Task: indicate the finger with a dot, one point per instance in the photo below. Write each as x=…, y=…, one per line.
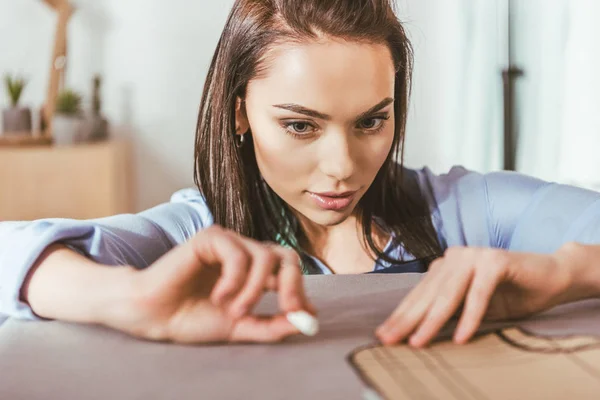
x=477, y=302
x=292, y=296
x=444, y=306
x=264, y=262
x=411, y=310
x=272, y=283
x=413, y=295
x=262, y=329
x=218, y=248
x=273, y=286
x=210, y=248
x=290, y=279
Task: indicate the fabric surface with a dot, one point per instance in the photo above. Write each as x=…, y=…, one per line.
x=41, y=360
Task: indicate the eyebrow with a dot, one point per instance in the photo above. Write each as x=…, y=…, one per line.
x=315, y=114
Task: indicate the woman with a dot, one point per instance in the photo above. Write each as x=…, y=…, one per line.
x=301, y=122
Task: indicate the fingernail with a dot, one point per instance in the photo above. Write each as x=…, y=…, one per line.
x=385, y=336
x=459, y=335
x=459, y=338
x=415, y=341
x=387, y=340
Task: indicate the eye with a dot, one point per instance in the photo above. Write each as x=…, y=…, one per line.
x=373, y=123
x=299, y=128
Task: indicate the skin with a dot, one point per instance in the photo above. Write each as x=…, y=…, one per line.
x=341, y=150
x=202, y=291
x=205, y=290
x=336, y=155
x=478, y=283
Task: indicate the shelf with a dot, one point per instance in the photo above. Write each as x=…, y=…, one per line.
x=81, y=181
x=24, y=139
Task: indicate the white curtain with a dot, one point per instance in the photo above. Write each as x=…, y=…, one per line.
x=541, y=31
x=456, y=115
x=559, y=98
x=580, y=131
x=456, y=111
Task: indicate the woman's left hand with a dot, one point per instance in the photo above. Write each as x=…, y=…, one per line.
x=484, y=283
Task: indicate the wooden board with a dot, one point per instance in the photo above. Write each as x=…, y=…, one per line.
x=64, y=10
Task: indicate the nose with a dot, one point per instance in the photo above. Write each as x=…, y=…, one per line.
x=338, y=156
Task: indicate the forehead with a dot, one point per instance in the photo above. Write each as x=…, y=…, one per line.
x=335, y=77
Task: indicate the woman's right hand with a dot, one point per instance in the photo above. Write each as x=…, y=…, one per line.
x=205, y=290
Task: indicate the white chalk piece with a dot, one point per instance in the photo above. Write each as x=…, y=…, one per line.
x=304, y=322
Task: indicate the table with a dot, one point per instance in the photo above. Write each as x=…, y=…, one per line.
x=42, y=360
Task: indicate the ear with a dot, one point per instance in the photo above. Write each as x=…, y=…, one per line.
x=241, y=118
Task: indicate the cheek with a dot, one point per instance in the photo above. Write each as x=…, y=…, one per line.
x=283, y=165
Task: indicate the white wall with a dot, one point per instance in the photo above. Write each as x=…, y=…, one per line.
x=154, y=55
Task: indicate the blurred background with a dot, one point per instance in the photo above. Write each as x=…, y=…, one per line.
x=152, y=57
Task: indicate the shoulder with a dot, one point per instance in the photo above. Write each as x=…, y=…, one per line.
x=472, y=208
x=462, y=183
x=192, y=198
x=436, y=189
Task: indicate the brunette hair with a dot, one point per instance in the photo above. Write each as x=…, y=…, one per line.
x=228, y=176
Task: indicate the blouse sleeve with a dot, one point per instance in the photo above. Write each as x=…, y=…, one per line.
x=509, y=210
x=137, y=240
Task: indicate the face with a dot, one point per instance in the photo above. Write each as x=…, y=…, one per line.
x=322, y=121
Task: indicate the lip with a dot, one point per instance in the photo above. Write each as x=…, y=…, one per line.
x=333, y=201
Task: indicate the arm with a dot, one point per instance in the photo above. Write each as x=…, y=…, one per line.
x=583, y=262
x=65, y=285
x=495, y=284
x=200, y=287
x=133, y=240
x=517, y=246
x=182, y=297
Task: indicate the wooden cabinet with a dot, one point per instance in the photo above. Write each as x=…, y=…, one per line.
x=81, y=182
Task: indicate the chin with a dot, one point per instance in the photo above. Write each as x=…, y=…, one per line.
x=329, y=218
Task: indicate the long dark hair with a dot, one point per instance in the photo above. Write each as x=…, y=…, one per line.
x=228, y=176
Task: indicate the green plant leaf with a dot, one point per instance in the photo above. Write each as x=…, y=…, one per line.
x=14, y=88
x=68, y=102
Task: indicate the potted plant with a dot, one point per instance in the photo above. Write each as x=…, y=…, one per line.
x=15, y=119
x=67, y=124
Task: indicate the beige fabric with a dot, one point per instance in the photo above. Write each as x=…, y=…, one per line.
x=42, y=360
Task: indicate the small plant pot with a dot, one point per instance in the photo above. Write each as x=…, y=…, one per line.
x=67, y=130
x=95, y=128
x=16, y=120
